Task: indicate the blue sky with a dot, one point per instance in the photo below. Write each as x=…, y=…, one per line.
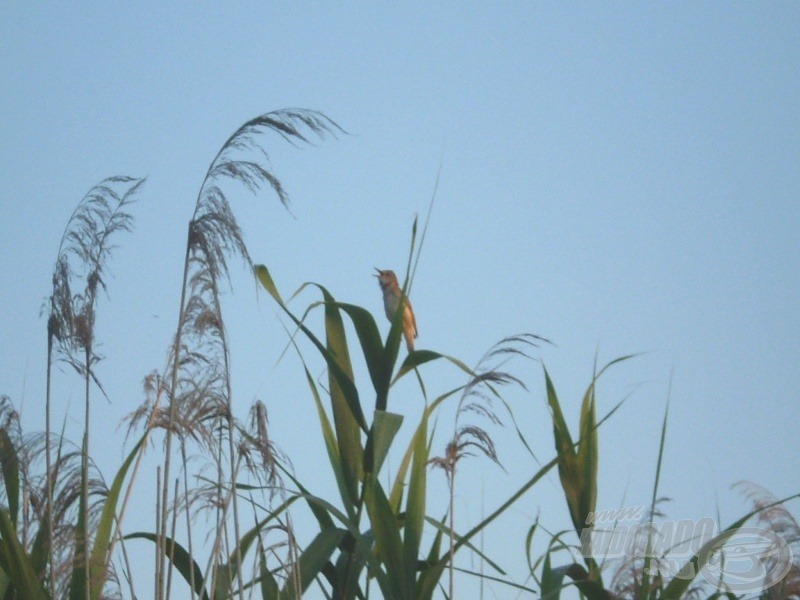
x=618, y=178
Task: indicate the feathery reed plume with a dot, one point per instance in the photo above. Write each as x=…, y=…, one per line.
x=478, y=398
x=628, y=580
x=39, y=521
x=779, y=520
x=262, y=457
x=85, y=248
x=264, y=461
x=197, y=378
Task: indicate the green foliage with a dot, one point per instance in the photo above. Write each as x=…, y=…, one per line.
x=578, y=465
x=577, y=469
x=10, y=465
x=17, y=564
x=391, y=544
x=180, y=558
x=372, y=534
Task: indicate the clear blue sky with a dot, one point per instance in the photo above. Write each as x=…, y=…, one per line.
x=618, y=178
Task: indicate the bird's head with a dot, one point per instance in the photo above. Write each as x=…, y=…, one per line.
x=386, y=278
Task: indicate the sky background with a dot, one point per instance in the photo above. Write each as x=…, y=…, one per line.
x=617, y=178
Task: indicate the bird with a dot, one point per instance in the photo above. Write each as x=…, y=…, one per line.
x=391, y=300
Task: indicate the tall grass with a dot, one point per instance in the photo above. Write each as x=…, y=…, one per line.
x=85, y=248
x=62, y=524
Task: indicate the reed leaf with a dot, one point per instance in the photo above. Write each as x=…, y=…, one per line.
x=346, y=406
x=332, y=448
x=180, y=559
x=10, y=466
x=415, y=504
x=693, y=567
x=385, y=426
x=101, y=557
x=267, y=583
x=389, y=545
x=342, y=379
x=313, y=560
x=16, y=563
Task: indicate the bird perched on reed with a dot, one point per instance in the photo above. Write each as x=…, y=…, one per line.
x=391, y=300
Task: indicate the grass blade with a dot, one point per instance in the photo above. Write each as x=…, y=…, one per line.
x=332, y=449
x=415, y=503
x=180, y=559
x=98, y=569
x=10, y=465
x=387, y=538
x=269, y=587
x=313, y=559
x=345, y=382
x=16, y=563
x=385, y=426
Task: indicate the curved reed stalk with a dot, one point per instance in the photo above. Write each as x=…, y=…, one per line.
x=200, y=338
x=468, y=440
x=85, y=248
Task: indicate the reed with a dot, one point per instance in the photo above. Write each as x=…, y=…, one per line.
x=228, y=499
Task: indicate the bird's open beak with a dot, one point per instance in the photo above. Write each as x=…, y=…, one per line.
x=379, y=272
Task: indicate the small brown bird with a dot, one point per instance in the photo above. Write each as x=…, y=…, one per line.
x=391, y=300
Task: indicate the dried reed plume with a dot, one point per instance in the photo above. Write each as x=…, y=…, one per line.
x=777, y=518
x=478, y=399
x=196, y=381
x=83, y=253
x=37, y=521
